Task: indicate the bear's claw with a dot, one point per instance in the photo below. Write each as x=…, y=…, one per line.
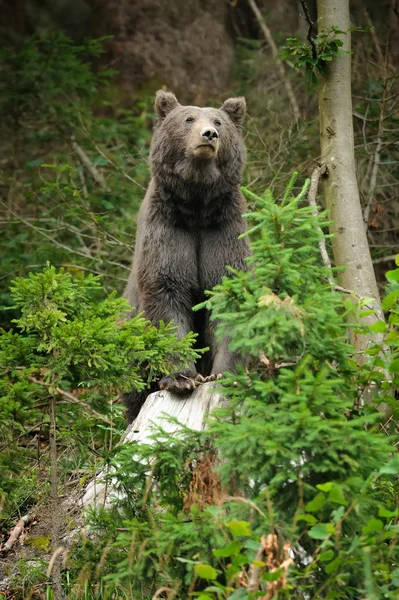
x=212, y=377
x=186, y=382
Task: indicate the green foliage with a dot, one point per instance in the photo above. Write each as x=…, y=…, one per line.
x=384, y=357
x=31, y=576
x=313, y=56
x=38, y=75
x=68, y=345
x=293, y=478
x=73, y=164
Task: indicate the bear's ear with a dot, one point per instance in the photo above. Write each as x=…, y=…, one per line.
x=235, y=108
x=165, y=102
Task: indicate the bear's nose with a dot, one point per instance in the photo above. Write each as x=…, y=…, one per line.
x=209, y=134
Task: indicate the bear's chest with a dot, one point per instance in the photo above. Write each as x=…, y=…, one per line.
x=196, y=215
x=194, y=220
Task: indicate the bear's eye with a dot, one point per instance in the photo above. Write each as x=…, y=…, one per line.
x=190, y=119
x=217, y=123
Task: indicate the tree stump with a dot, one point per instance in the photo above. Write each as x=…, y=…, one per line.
x=191, y=411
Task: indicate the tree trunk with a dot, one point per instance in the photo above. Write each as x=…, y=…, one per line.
x=350, y=246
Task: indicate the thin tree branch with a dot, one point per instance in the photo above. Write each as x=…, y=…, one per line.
x=374, y=37
x=314, y=182
x=377, y=153
x=83, y=181
x=245, y=501
x=85, y=160
x=269, y=38
x=48, y=237
x=72, y=398
x=60, y=245
x=383, y=259
x=310, y=30
x=53, y=561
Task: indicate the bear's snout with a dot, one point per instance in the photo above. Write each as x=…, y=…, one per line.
x=204, y=140
x=209, y=134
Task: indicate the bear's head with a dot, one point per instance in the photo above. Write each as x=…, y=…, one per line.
x=201, y=146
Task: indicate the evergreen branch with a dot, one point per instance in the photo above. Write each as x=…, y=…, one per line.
x=289, y=187
x=72, y=398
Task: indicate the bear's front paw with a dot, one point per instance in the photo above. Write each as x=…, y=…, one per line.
x=178, y=383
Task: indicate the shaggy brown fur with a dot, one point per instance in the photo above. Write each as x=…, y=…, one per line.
x=188, y=226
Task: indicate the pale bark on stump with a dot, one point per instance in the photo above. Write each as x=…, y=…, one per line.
x=191, y=411
x=350, y=245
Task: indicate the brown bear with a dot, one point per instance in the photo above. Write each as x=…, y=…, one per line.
x=188, y=228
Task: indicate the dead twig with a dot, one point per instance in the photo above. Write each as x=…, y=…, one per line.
x=269, y=38
x=56, y=555
x=63, y=246
x=73, y=399
x=83, y=181
x=245, y=501
x=16, y=532
x=86, y=162
x=48, y=237
x=377, y=153
x=374, y=37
